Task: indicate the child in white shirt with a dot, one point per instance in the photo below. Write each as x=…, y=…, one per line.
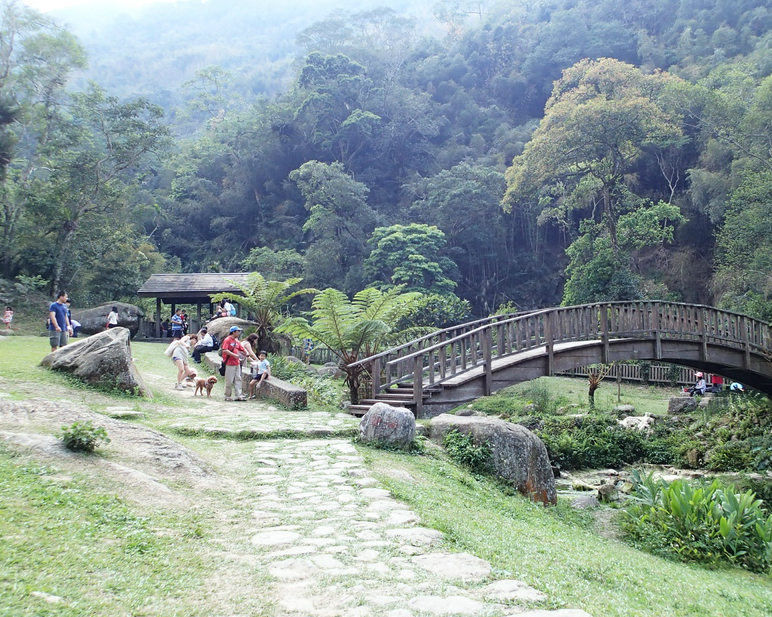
x=260, y=370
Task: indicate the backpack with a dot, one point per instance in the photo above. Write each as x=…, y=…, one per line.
x=233, y=311
x=215, y=343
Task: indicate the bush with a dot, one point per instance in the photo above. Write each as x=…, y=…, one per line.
x=322, y=389
x=578, y=443
x=731, y=456
x=83, y=436
x=462, y=449
x=707, y=524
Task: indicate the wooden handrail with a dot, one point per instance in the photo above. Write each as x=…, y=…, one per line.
x=437, y=333
x=481, y=341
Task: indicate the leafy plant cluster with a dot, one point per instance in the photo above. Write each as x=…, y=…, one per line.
x=534, y=400
x=463, y=449
x=707, y=524
x=590, y=442
x=735, y=436
x=322, y=390
x=83, y=436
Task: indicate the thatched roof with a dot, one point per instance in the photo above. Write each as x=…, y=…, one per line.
x=191, y=288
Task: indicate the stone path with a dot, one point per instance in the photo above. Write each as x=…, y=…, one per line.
x=336, y=545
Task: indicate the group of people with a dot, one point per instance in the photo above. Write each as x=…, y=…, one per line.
x=701, y=387
x=178, y=325
x=237, y=356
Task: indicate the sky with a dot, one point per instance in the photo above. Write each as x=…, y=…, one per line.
x=50, y=5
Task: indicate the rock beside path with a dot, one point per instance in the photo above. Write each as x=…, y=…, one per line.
x=517, y=455
x=394, y=426
x=102, y=360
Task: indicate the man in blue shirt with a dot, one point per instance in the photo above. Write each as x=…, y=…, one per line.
x=177, y=324
x=59, y=327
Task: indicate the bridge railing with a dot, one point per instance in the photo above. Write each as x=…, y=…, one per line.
x=442, y=355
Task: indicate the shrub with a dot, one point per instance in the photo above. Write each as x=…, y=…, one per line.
x=462, y=449
x=731, y=456
x=322, y=389
x=577, y=443
x=707, y=523
x=83, y=436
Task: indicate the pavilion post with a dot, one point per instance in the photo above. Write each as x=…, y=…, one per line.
x=158, y=317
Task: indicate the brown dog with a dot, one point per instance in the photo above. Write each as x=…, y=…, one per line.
x=207, y=384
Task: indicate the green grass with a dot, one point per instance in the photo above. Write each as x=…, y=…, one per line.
x=65, y=536
x=20, y=358
x=554, y=550
x=570, y=394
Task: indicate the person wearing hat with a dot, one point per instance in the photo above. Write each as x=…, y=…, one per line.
x=233, y=353
x=700, y=386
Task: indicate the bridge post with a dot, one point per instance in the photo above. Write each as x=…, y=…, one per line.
x=418, y=385
x=375, y=377
x=604, y=332
x=657, y=333
x=442, y=357
x=701, y=328
x=488, y=359
x=746, y=342
x=549, y=339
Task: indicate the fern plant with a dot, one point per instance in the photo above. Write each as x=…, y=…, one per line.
x=264, y=299
x=352, y=329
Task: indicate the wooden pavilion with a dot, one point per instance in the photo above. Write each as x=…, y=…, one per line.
x=193, y=288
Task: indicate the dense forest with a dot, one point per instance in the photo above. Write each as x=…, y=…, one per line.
x=524, y=153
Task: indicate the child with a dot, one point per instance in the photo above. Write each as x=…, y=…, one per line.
x=260, y=371
x=8, y=317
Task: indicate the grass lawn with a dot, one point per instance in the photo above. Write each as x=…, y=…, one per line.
x=571, y=394
x=556, y=550
x=64, y=537
x=69, y=535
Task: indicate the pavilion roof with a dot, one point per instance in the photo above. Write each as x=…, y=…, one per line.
x=191, y=288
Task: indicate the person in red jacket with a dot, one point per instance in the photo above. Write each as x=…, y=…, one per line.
x=233, y=353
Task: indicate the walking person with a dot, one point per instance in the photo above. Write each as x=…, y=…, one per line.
x=59, y=327
x=180, y=357
x=8, y=317
x=233, y=353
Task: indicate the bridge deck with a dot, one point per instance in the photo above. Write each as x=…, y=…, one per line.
x=501, y=363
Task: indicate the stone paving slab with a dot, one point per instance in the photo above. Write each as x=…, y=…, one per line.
x=337, y=545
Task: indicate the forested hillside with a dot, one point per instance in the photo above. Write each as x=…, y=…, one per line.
x=529, y=152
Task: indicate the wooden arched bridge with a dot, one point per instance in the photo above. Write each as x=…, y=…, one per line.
x=449, y=367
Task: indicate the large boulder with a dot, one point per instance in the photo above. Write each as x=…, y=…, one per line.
x=222, y=325
x=102, y=360
x=681, y=404
x=384, y=424
x=517, y=455
x=94, y=320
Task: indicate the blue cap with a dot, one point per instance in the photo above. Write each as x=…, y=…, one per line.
x=234, y=329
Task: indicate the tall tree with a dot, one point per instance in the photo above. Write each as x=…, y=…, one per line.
x=411, y=257
x=339, y=224
x=603, y=119
x=93, y=160
x=37, y=58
